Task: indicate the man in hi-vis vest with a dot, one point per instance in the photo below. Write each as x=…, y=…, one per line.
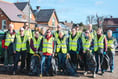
x=22, y=45
x=61, y=50
x=34, y=47
x=10, y=46
x=100, y=48
x=74, y=47
x=111, y=44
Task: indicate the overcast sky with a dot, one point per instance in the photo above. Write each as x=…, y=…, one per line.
x=77, y=10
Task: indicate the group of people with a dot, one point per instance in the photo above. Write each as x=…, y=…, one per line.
x=79, y=47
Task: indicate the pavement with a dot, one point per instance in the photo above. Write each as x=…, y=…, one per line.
x=107, y=74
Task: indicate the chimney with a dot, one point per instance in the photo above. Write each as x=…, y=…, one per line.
x=65, y=21
x=38, y=8
x=111, y=17
x=71, y=22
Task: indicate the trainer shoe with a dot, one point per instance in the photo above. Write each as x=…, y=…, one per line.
x=94, y=75
x=85, y=73
x=14, y=73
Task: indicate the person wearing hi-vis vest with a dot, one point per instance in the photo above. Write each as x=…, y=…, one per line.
x=47, y=47
x=111, y=44
x=100, y=48
x=34, y=47
x=10, y=46
x=79, y=32
x=56, y=34
x=61, y=50
x=27, y=31
x=92, y=32
x=74, y=47
x=22, y=47
x=87, y=44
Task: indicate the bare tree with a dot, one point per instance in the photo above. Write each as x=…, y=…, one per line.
x=90, y=19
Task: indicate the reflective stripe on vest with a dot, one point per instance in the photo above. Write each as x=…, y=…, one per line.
x=86, y=43
x=61, y=45
x=9, y=39
x=110, y=43
x=21, y=45
x=47, y=45
x=73, y=43
x=36, y=44
x=99, y=43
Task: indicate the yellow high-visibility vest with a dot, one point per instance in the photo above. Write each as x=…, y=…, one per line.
x=93, y=34
x=9, y=39
x=99, y=43
x=28, y=33
x=79, y=34
x=56, y=35
x=48, y=45
x=61, y=45
x=73, y=43
x=86, y=43
x=21, y=45
x=36, y=44
x=110, y=43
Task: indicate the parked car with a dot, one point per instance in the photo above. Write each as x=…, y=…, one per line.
x=1, y=49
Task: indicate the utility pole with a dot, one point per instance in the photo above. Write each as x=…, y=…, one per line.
x=29, y=13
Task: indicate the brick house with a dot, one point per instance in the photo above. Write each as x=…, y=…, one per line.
x=46, y=17
x=9, y=13
x=24, y=7
x=110, y=23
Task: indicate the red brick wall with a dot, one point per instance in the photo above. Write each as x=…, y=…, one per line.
x=17, y=25
x=3, y=17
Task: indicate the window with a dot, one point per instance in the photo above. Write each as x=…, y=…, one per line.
x=19, y=15
x=3, y=24
x=53, y=21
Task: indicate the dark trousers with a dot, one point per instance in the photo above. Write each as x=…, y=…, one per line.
x=99, y=60
x=17, y=58
x=61, y=61
x=111, y=59
x=28, y=60
x=73, y=56
x=85, y=62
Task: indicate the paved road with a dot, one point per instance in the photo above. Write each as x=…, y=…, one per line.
x=107, y=75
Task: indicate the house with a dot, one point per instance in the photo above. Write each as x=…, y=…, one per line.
x=68, y=24
x=26, y=8
x=9, y=13
x=110, y=23
x=46, y=17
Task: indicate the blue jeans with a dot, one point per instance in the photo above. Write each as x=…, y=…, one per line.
x=45, y=59
x=61, y=61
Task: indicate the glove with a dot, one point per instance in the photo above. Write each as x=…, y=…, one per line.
x=67, y=56
x=77, y=52
x=104, y=53
x=53, y=55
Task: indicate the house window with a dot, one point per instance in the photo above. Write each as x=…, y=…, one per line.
x=3, y=24
x=19, y=15
x=53, y=21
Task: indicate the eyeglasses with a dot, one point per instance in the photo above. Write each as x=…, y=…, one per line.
x=86, y=32
x=21, y=30
x=48, y=32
